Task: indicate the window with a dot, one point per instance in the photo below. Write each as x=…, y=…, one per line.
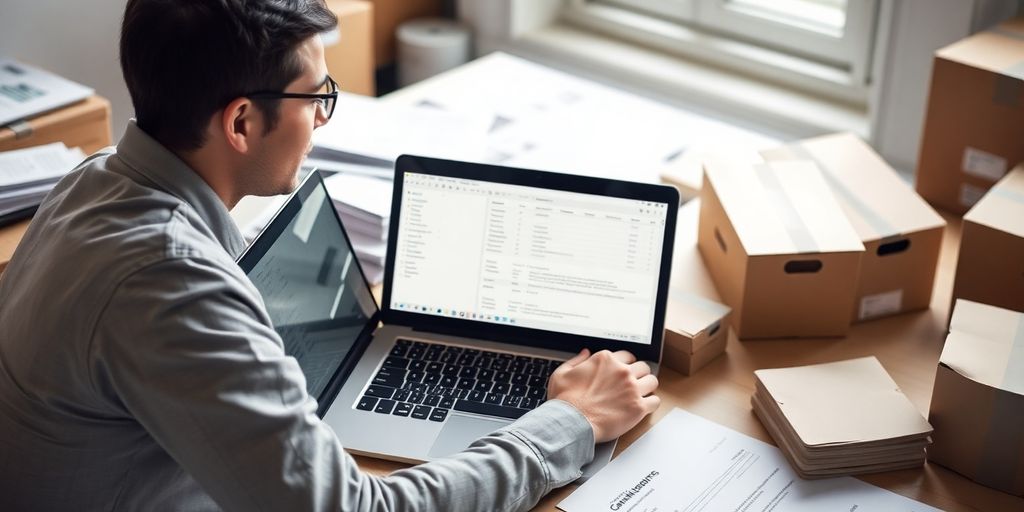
x=826, y=41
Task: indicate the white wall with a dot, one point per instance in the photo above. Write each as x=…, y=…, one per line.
x=77, y=39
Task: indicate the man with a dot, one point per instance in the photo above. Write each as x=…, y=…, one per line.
x=138, y=367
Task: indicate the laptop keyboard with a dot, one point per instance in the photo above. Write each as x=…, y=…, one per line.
x=424, y=381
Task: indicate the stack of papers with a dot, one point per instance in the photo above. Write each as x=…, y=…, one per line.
x=368, y=136
x=841, y=418
x=364, y=205
x=27, y=175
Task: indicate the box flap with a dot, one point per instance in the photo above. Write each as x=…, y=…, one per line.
x=986, y=344
x=1002, y=207
x=999, y=50
x=781, y=208
x=692, y=314
x=876, y=201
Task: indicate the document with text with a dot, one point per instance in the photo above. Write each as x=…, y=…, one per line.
x=686, y=463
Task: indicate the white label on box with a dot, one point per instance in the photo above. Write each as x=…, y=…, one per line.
x=970, y=195
x=983, y=164
x=880, y=304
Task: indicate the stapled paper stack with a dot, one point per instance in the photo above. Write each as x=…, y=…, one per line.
x=841, y=418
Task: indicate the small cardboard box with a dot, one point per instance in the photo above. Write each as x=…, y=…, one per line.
x=348, y=49
x=978, y=402
x=990, y=268
x=388, y=15
x=902, y=235
x=779, y=248
x=975, y=118
x=696, y=327
x=85, y=124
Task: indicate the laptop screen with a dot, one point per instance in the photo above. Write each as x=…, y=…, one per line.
x=538, y=258
x=314, y=291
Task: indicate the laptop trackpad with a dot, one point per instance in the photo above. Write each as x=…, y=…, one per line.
x=460, y=431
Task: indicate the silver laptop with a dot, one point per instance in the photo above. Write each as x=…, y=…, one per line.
x=494, y=276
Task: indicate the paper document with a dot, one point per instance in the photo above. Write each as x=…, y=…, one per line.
x=26, y=91
x=686, y=463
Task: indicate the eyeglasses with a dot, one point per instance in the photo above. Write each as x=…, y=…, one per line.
x=328, y=100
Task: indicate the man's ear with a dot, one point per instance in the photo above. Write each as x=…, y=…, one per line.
x=240, y=124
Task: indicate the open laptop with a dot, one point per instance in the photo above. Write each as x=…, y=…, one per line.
x=494, y=276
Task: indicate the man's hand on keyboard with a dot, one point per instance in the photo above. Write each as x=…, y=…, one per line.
x=613, y=390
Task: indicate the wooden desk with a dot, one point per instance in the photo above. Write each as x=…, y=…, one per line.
x=907, y=345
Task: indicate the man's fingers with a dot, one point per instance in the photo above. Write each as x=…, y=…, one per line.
x=577, y=359
x=647, y=384
x=640, y=369
x=650, y=403
x=624, y=356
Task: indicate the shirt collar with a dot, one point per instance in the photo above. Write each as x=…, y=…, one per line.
x=164, y=169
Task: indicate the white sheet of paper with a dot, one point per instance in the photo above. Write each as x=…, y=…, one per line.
x=686, y=463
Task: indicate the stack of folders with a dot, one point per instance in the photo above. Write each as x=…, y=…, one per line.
x=27, y=175
x=842, y=418
x=364, y=205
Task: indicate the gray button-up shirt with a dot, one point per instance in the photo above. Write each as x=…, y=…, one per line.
x=139, y=371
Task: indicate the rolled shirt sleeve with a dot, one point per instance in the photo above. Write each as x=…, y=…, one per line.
x=186, y=349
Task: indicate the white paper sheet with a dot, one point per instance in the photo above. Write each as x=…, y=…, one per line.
x=686, y=463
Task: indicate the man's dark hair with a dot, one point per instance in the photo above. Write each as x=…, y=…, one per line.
x=183, y=60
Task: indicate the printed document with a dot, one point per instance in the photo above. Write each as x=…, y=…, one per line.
x=686, y=463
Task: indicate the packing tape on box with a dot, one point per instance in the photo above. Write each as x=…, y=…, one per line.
x=1008, y=194
x=794, y=225
x=697, y=301
x=1001, y=452
x=876, y=221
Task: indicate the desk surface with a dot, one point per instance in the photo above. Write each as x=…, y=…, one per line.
x=907, y=345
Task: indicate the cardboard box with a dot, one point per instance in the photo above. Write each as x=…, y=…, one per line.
x=348, y=50
x=990, y=268
x=696, y=327
x=978, y=402
x=779, y=248
x=975, y=119
x=85, y=124
x=388, y=15
x=901, y=234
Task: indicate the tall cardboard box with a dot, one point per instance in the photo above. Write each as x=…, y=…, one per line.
x=779, y=248
x=901, y=234
x=85, y=124
x=978, y=402
x=388, y=15
x=348, y=50
x=974, y=127
x=696, y=326
x=990, y=268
